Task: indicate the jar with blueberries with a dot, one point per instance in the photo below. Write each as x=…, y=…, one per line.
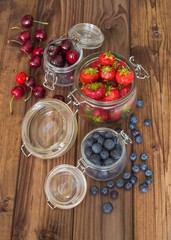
x=103, y=157
x=62, y=56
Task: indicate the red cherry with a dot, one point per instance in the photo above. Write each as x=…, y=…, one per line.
x=72, y=56
x=24, y=35
x=38, y=51
x=59, y=97
x=39, y=91
x=30, y=83
x=27, y=21
x=40, y=35
x=26, y=47
x=66, y=45
x=35, y=62
x=16, y=92
x=21, y=78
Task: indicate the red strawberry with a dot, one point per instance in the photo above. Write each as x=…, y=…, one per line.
x=95, y=64
x=124, y=76
x=95, y=90
x=124, y=90
x=114, y=115
x=89, y=75
x=99, y=115
x=118, y=64
x=107, y=73
x=111, y=94
x=106, y=58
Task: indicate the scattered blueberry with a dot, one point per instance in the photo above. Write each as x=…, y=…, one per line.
x=140, y=103
x=147, y=122
x=107, y=207
x=128, y=185
x=148, y=173
x=110, y=184
x=133, y=119
x=104, y=154
x=108, y=162
x=95, y=159
x=131, y=126
x=136, y=132
x=109, y=144
x=94, y=190
x=133, y=156
x=126, y=176
x=96, y=147
x=143, y=167
x=143, y=156
x=143, y=187
x=135, y=168
x=120, y=183
x=149, y=180
x=88, y=152
x=104, y=191
x=139, y=139
x=114, y=194
x=133, y=179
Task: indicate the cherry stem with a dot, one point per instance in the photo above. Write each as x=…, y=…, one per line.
x=31, y=90
x=16, y=28
x=11, y=101
x=46, y=23
x=63, y=35
x=13, y=40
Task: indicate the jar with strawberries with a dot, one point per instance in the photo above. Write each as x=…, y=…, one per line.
x=62, y=55
x=105, y=87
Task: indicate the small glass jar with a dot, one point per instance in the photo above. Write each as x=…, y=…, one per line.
x=65, y=186
x=109, y=112
x=83, y=36
x=49, y=129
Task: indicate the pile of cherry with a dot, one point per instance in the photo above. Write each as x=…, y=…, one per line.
x=35, y=54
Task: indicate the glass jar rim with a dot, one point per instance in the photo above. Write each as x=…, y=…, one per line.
x=87, y=60
x=62, y=69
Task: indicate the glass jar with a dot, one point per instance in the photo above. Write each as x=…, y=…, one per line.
x=48, y=130
x=83, y=36
x=99, y=112
x=65, y=186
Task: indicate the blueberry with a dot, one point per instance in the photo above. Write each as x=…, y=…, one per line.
x=95, y=159
x=96, y=135
x=143, y=156
x=139, y=139
x=108, y=134
x=126, y=176
x=116, y=152
x=89, y=142
x=128, y=185
x=131, y=126
x=135, y=168
x=104, y=175
x=104, y=191
x=104, y=154
x=148, y=173
x=133, y=119
x=143, y=187
x=110, y=184
x=109, y=144
x=108, y=162
x=120, y=183
x=136, y=132
x=149, y=180
x=140, y=103
x=96, y=147
x=94, y=190
x=143, y=167
x=107, y=207
x=114, y=194
x=147, y=122
x=100, y=140
x=133, y=156
x=133, y=179
x=88, y=152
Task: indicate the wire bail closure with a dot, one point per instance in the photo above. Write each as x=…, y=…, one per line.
x=49, y=74
x=73, y=101
x=141, y=73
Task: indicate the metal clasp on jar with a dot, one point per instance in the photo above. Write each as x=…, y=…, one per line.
x=50, y=80
x=141, y=73
x=23, y=149
x=125, y=137
x=80, y=166
x=73, y=101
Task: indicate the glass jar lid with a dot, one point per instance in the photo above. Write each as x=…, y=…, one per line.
x=65, y=187
x=49, y=129
x=87, y=35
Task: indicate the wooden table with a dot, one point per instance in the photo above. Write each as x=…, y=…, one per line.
x=138, y=28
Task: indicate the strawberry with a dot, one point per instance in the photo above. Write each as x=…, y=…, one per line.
x=118, y=64
x=99, y=115
x=106, y=58
x=124, y=76
x=95, y=64
x=107, y=73
x=124, y=90
x=111, y=94
x=114, y=115
x=95, y=90
x=89, y=75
